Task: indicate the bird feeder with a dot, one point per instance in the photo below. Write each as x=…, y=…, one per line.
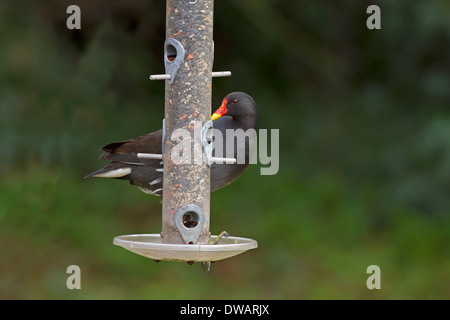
x=188, y=60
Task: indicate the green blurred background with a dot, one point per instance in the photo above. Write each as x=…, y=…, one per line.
x=364, y=150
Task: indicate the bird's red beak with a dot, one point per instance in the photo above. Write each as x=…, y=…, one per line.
x=221, y=111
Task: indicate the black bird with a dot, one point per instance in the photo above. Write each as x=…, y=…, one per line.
x=238, y=111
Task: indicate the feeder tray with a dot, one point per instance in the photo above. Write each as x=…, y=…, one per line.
x=151, y=246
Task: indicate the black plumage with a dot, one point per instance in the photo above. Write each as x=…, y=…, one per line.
x=238, y=111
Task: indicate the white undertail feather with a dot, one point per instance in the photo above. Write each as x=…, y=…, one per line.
x=118, y=173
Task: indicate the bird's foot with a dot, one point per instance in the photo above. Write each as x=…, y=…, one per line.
x=219, y=237
x=206, y=265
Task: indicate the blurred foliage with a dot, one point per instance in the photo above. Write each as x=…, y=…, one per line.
x=364, y=140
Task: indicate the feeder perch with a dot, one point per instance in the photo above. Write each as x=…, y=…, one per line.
x=188, y=60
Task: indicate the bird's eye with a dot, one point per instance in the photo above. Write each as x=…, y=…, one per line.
x=234, y=101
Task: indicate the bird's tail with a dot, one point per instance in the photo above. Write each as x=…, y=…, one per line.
x=115, y=170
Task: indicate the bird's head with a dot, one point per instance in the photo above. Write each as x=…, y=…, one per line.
x=238, y=105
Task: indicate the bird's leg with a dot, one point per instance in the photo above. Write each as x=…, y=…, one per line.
x=206, y=265
x=219, y=237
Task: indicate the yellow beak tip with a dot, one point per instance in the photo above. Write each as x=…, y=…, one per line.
x=215, y=116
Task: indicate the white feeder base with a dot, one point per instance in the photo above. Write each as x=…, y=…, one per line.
x=150, y=246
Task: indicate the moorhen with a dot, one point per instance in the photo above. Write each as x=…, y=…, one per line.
x=238, y=111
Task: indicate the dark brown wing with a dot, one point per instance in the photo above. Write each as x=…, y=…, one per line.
x=126, y=151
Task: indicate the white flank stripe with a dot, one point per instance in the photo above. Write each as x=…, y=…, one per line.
x=155, y=181
x=157, y=190
x=114, y=173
